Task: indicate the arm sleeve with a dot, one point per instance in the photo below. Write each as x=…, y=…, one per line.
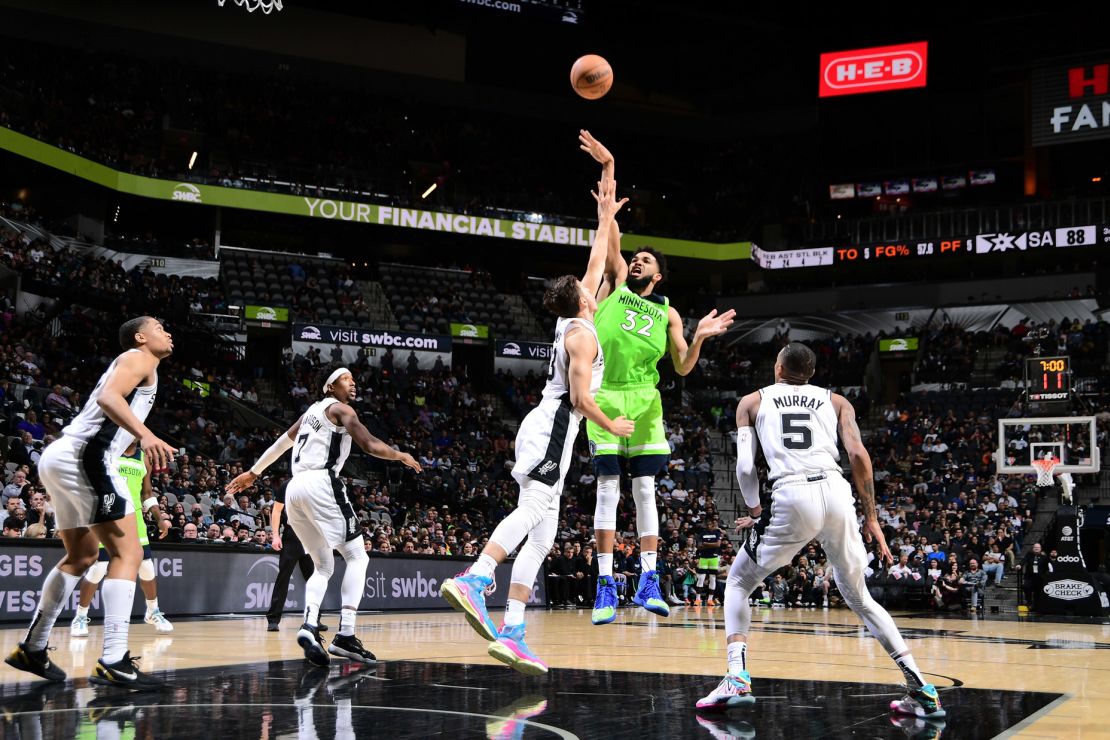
x=746, y=474
x=280, y=446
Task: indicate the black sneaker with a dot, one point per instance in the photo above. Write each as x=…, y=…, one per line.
x=321, y=627
x=36, y=662
x=125, y=674
x=273, y=627
x=313, y=645
x=349, y=646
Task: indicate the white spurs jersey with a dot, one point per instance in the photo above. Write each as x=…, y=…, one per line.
x=93, y=426
x=558, y=371
x=797, y=429
x=320, y=444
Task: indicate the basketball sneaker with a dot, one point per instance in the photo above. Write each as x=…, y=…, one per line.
x=509, y=724
x=350, y=647
x=605, y=604
x=125, y=674
x=511, y=649
x=466, y=593
x=36, y=662
x=313, y=645
x=720, y=729
x=923, y=702
x=734, y=690
x=918, y=728
x=158, y=619
x=79, y=627
x=649, y=596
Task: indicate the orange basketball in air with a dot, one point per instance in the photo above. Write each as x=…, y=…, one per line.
x=591, y=76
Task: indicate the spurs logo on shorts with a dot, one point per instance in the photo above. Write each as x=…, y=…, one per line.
x=547, y=467
x=108, y=503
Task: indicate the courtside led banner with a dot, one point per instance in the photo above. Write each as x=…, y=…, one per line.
x=877, y=69
x=196, y=195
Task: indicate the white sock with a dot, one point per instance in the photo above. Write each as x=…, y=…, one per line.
x=647, y=560
x=910, y=671
x=152, y=605
x=82, y=611
x=737, y=657
x=346, y=622
x=484, y=566
x=514, y=612
x=118, y=596
x=55, y=593
x=605, y=564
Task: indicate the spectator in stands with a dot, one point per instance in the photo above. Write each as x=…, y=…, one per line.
x=1034, y=569
x=15, y=524
x=10, y=506
x=39, y=511
x=57, y=402
x=189, y=533
x=946, y=591
x=35, y=531
x=30, y=423
x=993, y=564
x=974, y=583
x=25, y=450
x=15, y=487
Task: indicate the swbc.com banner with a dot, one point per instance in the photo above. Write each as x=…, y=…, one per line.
x=539, y=351
x=326, y=334
x=211, y=579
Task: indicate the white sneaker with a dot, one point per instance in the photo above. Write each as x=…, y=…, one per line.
x=733, y=690
x=79, y=627
x=158, y=619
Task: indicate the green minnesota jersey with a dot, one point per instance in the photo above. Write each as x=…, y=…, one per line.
x=633, y=336
x=133, y=470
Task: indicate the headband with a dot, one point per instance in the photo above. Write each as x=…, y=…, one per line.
x=334, y=377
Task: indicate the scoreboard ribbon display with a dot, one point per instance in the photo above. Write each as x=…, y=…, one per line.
x=1089, y=235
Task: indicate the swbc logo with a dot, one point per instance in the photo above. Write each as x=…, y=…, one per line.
x=310, y=332
x=511, y=349
x=186, y=193
x=258, y=593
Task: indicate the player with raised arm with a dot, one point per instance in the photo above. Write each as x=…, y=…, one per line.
x=544, y=444
x=135, y=468
x=317, y=507
x=796, y=425
x=636, y=327
x=92, y=505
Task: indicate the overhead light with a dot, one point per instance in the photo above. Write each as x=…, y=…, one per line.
x=1096, y=179
x=192, y=160
x=429, y=190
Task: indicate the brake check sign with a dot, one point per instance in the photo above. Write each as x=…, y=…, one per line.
x=877, y=69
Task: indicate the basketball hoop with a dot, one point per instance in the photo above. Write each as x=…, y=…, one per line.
x=1045, y=468
x=266, y=6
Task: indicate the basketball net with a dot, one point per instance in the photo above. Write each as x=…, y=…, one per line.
x=1045, y=469
x=266, y=6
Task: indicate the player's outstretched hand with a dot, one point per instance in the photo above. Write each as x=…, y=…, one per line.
x=873, y=531
x=241, y=482
x=158, y=451
x=606, y=197
x=744, y=522
x=622, y=427
x=593, y=147
x=276, y=543
x=712, y=325
x=408, y=460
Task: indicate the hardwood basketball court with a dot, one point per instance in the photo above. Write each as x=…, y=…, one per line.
x=816, y=673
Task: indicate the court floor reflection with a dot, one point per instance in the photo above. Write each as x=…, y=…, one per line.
x=408, y=699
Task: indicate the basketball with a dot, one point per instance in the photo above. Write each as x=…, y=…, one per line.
x=591, y=76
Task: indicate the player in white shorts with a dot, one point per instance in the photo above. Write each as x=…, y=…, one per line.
x=796, y=426
x=318, y=509
x=544, y=444
x=93, y=505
